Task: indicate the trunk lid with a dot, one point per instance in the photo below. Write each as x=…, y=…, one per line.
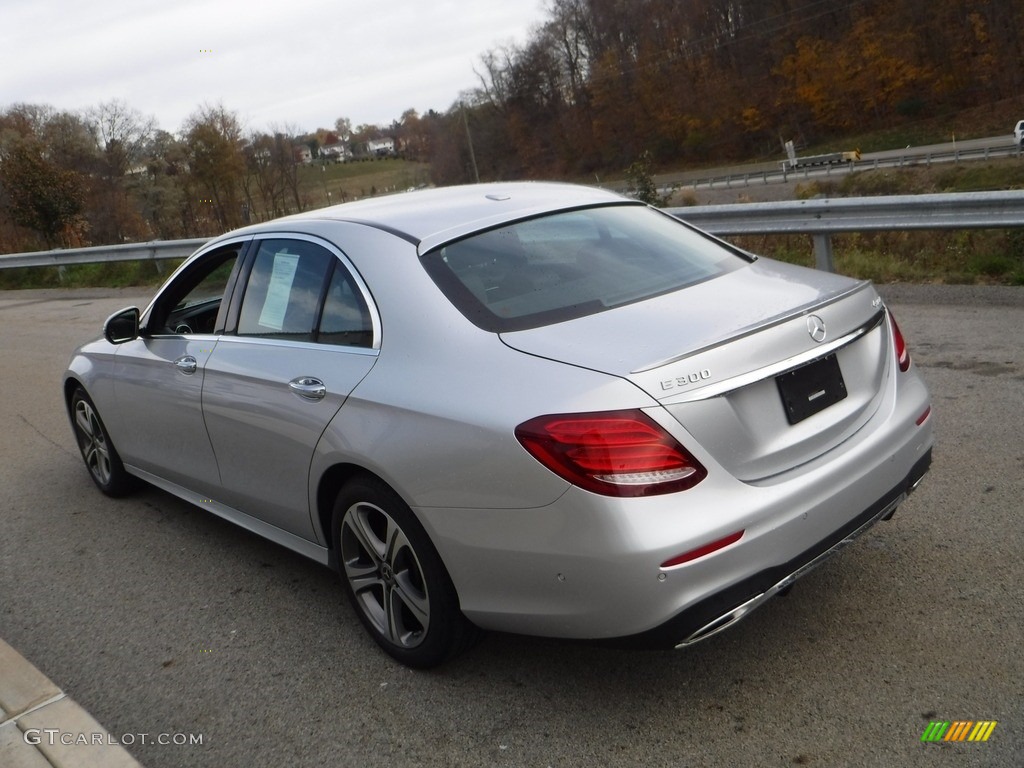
x=712, y=355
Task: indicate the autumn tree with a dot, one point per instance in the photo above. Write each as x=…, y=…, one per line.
x=69, y=143
x=604, y=80
x=413, y=135
x=450, y=156
x=213, y=138
x=160, y=191
x=40, y=195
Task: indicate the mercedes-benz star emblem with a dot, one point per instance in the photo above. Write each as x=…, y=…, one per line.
x=816, y=327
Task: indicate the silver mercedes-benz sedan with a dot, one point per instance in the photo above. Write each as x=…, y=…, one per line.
x=533, y=408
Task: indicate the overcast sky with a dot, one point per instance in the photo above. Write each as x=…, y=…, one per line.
x=299, y=62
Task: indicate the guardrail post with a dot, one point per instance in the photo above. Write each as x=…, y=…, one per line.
x=823, y=252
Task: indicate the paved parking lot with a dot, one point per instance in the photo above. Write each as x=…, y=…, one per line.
x=163, y=620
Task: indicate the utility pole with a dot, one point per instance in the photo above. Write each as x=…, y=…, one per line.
x=469, y=139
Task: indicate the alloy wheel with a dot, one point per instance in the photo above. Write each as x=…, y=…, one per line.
x=92, y=441
x=385, y=574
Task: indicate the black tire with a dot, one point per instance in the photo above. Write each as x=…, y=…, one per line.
x=394, y=577
x=97, y=449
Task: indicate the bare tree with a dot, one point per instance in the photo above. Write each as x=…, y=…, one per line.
x=285, y=162
x=121, y=133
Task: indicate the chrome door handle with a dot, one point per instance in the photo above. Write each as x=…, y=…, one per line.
x=186, y=364
x=308, y=388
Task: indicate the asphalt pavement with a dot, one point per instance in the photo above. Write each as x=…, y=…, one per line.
x=193, y=643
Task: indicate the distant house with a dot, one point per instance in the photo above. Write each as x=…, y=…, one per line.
x=337, y=153
x=302, y=154
x=380, y=147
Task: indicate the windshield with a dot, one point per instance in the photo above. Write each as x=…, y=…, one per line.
x=571, y=264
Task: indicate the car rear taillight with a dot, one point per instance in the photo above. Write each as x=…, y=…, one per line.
x=614, y=453
x=902, y=353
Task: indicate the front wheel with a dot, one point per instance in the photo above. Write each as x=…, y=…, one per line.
x=394, y=577
x=97, y=450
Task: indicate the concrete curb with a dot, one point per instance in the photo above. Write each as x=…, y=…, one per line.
x=41, y=727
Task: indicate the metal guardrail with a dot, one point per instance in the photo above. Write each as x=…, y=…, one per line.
x=783, y=174
x=62, y=257
x=960, y=210
x=820, y=218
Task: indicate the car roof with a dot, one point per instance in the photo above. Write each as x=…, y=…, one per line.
x=429, y=218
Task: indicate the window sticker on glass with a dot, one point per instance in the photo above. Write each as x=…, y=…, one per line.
x=281, y=278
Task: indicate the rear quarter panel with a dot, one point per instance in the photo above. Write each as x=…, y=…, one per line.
x=435, y=418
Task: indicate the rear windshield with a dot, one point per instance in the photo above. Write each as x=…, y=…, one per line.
x=572, y=264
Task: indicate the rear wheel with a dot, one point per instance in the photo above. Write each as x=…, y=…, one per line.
x=98, y=452
x=394, y=577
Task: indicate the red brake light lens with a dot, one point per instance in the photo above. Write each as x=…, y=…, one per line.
x=614, y=453
x=902, y=353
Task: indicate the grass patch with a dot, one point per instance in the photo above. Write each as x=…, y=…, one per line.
x=960, y=257
x=971, y=176
x=814, y=189
x=342, y=182
x=981, y=177
x=120, y=274
x=889, y=181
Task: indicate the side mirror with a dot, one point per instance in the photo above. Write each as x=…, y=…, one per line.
x=122, y=326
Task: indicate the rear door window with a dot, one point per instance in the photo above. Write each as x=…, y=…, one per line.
x=284, y=291
x=301, y=291
x=346, y=317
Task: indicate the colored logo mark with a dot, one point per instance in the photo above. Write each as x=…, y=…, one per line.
x=959, y=730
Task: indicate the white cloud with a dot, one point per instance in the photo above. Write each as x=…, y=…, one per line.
x=303, y=63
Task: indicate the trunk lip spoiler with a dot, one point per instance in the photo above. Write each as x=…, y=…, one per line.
x=761, y=326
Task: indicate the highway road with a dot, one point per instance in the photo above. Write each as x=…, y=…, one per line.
x=771, y=172
x=161, y=619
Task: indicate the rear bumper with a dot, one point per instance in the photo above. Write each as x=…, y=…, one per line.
x=592, y=568
x=723, y=609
